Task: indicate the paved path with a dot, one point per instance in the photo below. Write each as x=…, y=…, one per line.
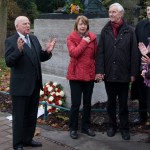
x=60, y=140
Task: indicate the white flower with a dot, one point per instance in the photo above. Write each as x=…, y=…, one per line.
x=47, y=85
x=56, y=89
x=41, y=92
x=50, y=89
x=45, y=97
x=57, y=94
x=51, y=98
x=62, y=93
x=55, y=83
x=60, y=102
x=52, y=93
x=49, y=107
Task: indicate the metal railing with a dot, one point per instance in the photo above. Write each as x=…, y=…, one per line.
x=45, y=104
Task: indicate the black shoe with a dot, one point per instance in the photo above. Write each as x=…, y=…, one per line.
x=111, y=132
x=73, y=134
x=139, y=120
x=33, y=144
x=89, y=132
x=125, y=134
x=19, y=148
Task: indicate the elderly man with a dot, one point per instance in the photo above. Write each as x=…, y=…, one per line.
x=116, y=64
x=23, y=55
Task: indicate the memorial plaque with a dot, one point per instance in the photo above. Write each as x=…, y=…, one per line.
x=55, y=69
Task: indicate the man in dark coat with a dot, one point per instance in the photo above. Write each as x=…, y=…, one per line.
x=23, y=55
x=117, y=64
x=142, y=32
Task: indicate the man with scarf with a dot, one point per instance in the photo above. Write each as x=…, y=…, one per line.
x=116, y=64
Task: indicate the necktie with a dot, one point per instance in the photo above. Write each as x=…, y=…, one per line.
x=28, y=41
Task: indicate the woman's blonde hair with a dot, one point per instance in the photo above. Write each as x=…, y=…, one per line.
x=84, y=20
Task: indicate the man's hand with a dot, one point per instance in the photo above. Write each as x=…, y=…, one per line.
x=99, y=77
x=50, y=45
x=20, y=43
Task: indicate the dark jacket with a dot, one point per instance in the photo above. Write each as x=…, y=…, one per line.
x=82, y=57
x=24, y=71
x=117, y=58
x=142, y=32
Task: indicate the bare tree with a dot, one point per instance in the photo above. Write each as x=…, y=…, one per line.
x=3, y=24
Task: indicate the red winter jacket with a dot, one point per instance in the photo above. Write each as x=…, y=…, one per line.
x=82, y=57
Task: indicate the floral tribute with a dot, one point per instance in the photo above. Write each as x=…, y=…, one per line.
x=53, y=94
x=73, y=7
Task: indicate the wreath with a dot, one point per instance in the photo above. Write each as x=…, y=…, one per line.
x=52, y=94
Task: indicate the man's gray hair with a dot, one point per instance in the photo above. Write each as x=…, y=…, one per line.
x=119, y=7
x=18, y=19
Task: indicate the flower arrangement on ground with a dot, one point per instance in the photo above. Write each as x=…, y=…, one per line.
x=53, y=94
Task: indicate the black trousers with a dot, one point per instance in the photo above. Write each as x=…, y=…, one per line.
x=117, y=90
x=24, y=117
x=142, y=90
x=77, y=89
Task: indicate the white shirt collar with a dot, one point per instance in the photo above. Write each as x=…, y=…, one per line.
x=22, y=36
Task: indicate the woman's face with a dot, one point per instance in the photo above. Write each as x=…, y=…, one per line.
x=81, y=27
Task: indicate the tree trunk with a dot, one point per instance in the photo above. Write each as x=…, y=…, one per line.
x=3, y=25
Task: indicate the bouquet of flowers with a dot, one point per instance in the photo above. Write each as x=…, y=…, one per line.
x=73, y=7
x=53, y=94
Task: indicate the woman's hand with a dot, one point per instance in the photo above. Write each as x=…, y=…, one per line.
x=143, y=73
x=87, y=39
x=145, y=59
x=142, y=48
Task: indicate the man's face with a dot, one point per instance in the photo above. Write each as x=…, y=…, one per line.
x=23, y=26
x=114, y=14
x=148, y=12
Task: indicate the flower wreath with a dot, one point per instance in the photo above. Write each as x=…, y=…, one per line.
x=53, y=94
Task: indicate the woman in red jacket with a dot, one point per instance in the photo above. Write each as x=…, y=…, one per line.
x=82, y=46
